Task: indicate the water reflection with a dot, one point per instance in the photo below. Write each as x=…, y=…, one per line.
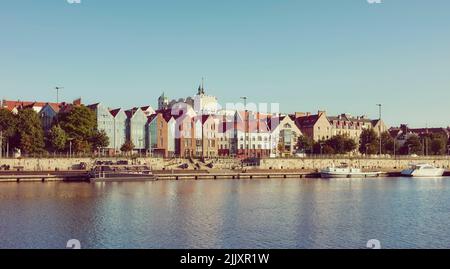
x=275, y=213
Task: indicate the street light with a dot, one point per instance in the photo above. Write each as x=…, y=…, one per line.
x=367, y=148
x=245, y=124
x=70, y=147
x=379, y=127
x=57, y=93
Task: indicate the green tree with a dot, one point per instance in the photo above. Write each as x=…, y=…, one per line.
x=82, y=146
x=387, y=143
x=99, y=139
x=57, y=138
x=341, y=144
x=127, y=147
x=438, y=144
x=29, y=137
x=304, y=143
x=412, y=146
x=369, y=142
x=80, y=124
x=8, y=127
x=7, y=123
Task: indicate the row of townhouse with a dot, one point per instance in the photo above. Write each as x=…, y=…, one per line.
x=321, y=127
x=179, y=131
x=403, y=133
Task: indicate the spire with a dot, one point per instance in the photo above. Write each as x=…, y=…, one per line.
x=203, y=85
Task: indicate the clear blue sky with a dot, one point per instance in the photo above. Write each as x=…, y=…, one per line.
x=337, y=55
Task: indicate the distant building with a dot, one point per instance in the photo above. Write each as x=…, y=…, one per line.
x=284, y=135
x=163, y=102
x=148, y=110
x=136, y=128
x=226, y=138
x=201, y=103
x=48, y=115
x=317, y=127
x=50, y=111
x=185, y=145
x=252, y=135
x=350, y=126
x=157, y=135
x=105, y=122
x=120, y=128
x=403, y=133
x=205, y=104
x=206, y=132
x=321, y=127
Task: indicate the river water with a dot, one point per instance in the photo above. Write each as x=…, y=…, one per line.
x=273, y=213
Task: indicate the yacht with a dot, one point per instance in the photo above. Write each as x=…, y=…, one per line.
x=345, y=171
x=423, y=170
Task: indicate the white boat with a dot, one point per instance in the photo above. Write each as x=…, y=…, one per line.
x=344, y=171
x=423, y=170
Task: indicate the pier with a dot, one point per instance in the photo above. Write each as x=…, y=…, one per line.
x=82, y=176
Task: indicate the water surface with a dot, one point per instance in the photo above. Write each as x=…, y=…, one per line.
x=273, y=213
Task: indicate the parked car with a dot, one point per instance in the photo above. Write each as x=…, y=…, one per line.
x=183, y=166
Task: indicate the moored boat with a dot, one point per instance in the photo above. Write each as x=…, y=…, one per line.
x=423, y=170
x=121, y=173
x=345, y=171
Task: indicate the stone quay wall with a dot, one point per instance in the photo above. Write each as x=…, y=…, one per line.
x=363, y=163
x=51, y=164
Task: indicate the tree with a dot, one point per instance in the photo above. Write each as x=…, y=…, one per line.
x=341, y=144
x=304, y=143
x=29, y=137
x=438, y=144
x=82, y=146
x=99, y=139
x=127, y=147
x=80, y=124
x=388, y=144
x=369, y=142
x=8, y=126
x=57, y=138
x=412, y=146
x=7, y=123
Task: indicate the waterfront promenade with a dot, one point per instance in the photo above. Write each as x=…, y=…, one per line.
x=68, y=169
x=304, y=164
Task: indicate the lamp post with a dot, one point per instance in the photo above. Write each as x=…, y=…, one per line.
x=1, y=144
x=140, y=147
x=245, y=124
x=379, y=128
x=70, y=147
x=395, y=147
x=57, y=93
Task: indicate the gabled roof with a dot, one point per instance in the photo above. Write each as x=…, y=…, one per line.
x=349, y=118
x=273, y=122
x=151, y=117
x=93, y=106
x=11, y=105
x=55, y=107
x=115, y=112
x=307, y=121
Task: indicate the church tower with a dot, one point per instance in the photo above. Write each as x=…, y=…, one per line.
x=163, y=102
